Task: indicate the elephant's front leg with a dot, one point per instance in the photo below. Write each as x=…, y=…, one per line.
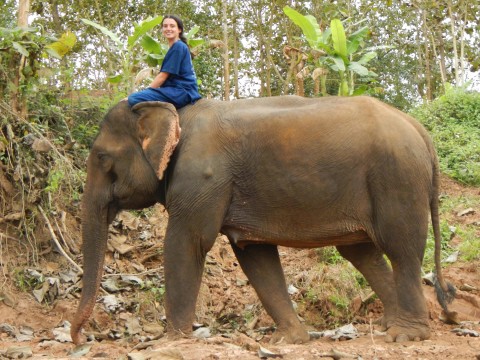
x=261, y=264
x=184, y=259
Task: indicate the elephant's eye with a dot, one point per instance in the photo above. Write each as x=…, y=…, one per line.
x=101, y=156
x=105, y=161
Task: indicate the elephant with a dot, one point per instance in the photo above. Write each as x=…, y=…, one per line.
x=349, y=172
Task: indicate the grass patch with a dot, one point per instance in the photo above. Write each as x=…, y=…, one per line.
x=452, y=120
x=467, y=241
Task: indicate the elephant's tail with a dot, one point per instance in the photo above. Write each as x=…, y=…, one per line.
x=444, y=290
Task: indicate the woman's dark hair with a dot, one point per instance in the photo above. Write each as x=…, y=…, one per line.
x=179, y=24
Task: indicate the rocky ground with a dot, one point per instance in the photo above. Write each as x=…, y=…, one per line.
x=36, y=302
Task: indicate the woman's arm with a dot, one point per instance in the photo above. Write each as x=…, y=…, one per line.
x=159, y=79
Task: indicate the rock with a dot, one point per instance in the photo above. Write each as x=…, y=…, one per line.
x=202, y=333
x=62, y=333
x=8, y=299
x=19, y=352
x=469, y=211
x=42, y=146
x=7, y=329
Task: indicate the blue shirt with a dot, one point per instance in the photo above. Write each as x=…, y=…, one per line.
x=178, y=63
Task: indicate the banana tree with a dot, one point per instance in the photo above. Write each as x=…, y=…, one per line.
x=126, y=51
x=333, y=49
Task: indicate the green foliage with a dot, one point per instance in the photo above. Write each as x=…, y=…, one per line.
x=453, y=121
x=340, y=302
x=326, y=292
x=22, y=52
x=330, y=255
x=63, y=46
x=85, y=133
x=127, y=52
x=335, y=50
x=158, y=292
x=54, y=181
x=469, y=248
x=25, y=281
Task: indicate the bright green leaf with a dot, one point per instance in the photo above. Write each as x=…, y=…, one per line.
x=142, y=29
x=339, y=39
x=367, y=57
x=115, y=79
x=63, y=46
x=192, y=33
x=153, y=60
x=354, y=40
x=339, y=65
x=358, y=68
x=360, y=90
x=105, y=31
x=326, y=35
x=352, y=46
x=308, y=24
x=195, y=42
x=151, y=45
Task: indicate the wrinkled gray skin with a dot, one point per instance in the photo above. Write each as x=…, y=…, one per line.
x=347, y=172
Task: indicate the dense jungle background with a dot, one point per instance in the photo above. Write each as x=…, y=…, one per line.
x=63, y=64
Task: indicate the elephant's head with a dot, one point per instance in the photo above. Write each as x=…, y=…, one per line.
x=124, y=169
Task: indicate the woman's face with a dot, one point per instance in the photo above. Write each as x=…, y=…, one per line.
x=170, y=30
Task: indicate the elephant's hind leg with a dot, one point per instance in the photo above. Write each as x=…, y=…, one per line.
x=261, y=264
x=370, y=262
x=404, y=245
x=411, y=322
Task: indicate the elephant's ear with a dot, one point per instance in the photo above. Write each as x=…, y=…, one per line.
x=159, y=132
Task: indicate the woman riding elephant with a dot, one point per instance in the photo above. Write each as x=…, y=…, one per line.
x=176, y=83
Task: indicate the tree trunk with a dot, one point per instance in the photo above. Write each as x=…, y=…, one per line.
x=462, y=49
x=454, y=43
x=19, y=102
x=441, y=54
x=226, y=64
x=428, y=72
x=235, y=51
x=23, y=12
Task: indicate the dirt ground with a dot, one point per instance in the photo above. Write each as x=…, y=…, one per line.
x=128, y=320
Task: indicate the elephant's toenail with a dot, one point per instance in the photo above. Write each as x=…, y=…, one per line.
x=402, y=338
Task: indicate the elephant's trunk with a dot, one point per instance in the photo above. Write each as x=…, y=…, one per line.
x=94, y=233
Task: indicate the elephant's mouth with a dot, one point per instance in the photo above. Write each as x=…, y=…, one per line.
x=136, y=200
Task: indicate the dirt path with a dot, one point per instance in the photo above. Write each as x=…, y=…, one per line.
x=444, y=344
x=130, y=326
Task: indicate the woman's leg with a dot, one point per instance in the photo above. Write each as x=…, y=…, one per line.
x=149, y=94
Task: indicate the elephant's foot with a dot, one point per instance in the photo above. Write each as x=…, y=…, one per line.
x=385, y=322
x=415, y=332
x=176, y=334
x=291, y=335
